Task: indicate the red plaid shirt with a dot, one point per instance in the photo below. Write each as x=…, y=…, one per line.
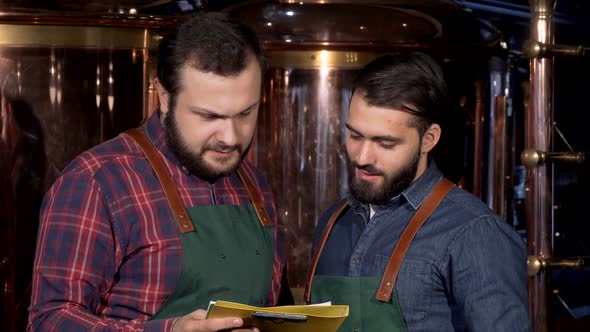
x=109, y=250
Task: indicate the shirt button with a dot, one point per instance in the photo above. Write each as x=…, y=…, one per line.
x=355, y=260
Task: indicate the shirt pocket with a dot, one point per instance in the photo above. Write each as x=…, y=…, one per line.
x=414, y=286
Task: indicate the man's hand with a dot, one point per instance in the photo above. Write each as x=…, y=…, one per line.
x=196, y=322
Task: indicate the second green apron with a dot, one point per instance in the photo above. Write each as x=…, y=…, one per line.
x=372, y=300
x=366, y=313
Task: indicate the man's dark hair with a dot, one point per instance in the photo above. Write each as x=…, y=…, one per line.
x=410, y=82
x=210, y=42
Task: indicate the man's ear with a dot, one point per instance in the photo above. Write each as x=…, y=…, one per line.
x=163, y=96
x=430, y=138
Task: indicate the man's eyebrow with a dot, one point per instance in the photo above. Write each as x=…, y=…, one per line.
x=380, y=138
x=205, y=111
x=349, y=127
x=386, y=138
x=202, y=110
x=251, y=106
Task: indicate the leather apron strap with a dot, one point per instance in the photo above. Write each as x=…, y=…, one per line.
x=255, y=196
x=436, y=196
x=178, y=210
x=182, y=219
x=320, y=248
x=390, y=275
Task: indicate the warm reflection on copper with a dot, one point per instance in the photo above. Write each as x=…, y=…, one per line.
x=61, y=94
x=300, y=145
x=478, y=124
x=98, y=86
x=22, y=163
x=495, y=195
x=53, y=112
x=538, y=129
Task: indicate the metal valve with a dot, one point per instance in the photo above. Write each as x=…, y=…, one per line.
x=538, y=264
x=531, y=158
x=533, y=49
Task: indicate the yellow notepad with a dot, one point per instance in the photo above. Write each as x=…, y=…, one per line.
x=292, y=318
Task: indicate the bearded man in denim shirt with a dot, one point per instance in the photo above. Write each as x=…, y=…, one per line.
x=407, y=250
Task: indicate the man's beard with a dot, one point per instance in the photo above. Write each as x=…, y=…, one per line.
x=193, y=161
x=393, y=183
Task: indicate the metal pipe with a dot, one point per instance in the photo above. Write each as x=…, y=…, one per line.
x=146, y=100
x=539, y=179
x=510, y=155
x=478, y=139
x=495, y=161
x=499, y=162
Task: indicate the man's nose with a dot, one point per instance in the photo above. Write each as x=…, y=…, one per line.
x=366, y=154
x=227, y=133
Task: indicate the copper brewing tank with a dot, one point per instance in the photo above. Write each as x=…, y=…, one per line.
x=316, y=49
x=77, y=73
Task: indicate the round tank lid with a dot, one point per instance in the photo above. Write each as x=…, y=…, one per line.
x=397, y=22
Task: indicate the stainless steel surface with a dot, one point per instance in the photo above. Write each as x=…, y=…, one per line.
x=534, y=49
x=538, y=129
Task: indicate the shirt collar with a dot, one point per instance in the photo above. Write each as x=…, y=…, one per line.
x=415, y=194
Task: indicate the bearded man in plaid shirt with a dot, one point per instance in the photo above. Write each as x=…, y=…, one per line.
x=141, y=232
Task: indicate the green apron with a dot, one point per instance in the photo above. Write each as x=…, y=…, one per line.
x=372, y=300
x=366, y=313
x=227, y=250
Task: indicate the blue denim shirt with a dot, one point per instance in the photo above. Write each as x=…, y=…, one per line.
x=464, y=271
